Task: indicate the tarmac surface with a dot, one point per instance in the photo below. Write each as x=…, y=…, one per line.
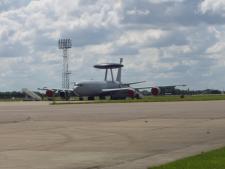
x=35, y=135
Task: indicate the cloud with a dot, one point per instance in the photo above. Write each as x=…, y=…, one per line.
x=168, y=13
x=212, y=6
x=6, y=5
x=163, y=42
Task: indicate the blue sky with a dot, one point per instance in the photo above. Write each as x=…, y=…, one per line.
x=162, y=41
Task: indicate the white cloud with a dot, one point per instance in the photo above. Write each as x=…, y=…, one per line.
x=214, y=6
x=163, y=42
x=163, y=1
x=138, y=12
x=217, y=48
x=141, y=36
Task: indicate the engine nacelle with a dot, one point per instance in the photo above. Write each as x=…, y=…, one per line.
x=64, y=95
x=49, y=93
x=131, y=93
x=155, y=91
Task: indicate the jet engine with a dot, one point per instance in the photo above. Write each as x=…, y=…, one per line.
x=49, y=93
x=155, y=91
x=64, y=95
x=130, y=93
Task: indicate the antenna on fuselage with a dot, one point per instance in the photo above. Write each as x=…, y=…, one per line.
x=108, y=66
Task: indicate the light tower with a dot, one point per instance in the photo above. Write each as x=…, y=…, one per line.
x=65, y=44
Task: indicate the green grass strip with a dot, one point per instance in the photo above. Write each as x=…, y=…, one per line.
x=210, y=160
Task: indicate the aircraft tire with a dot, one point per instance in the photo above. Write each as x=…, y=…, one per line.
x=117, y=98
x=102, y=97
x=91, y=98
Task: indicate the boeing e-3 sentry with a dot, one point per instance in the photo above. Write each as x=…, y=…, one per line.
x=109, y=87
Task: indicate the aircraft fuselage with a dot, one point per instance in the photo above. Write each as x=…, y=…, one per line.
x=94, y=88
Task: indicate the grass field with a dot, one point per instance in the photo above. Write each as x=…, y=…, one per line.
x=210, y=160
x=152, y=99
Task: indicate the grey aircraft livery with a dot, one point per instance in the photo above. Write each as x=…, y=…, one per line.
x=113, y=87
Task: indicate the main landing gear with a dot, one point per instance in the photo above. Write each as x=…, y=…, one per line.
x=91, y=98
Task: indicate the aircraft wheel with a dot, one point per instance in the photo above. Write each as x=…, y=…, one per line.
x=102, y=97
x=113, y=98
x=117, y=98
x=91, y=98
x=67, y=98
x=137, y=97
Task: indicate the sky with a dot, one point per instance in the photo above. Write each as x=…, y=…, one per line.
x=164, y=42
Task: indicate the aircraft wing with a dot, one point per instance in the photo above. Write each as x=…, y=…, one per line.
x=123, y=92
x=136, y=88
x=117, y=89
x=149, y=87
x=131, y=83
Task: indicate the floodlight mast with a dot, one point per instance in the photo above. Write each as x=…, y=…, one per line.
x=65, y=44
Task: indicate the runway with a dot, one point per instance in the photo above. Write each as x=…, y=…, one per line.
x=36, y=135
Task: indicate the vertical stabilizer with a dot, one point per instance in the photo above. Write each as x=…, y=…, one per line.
x=118, y=78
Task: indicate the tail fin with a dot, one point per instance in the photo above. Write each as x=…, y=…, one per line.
x=118, y=78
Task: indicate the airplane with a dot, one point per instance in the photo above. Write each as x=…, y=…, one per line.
x=113, y=87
